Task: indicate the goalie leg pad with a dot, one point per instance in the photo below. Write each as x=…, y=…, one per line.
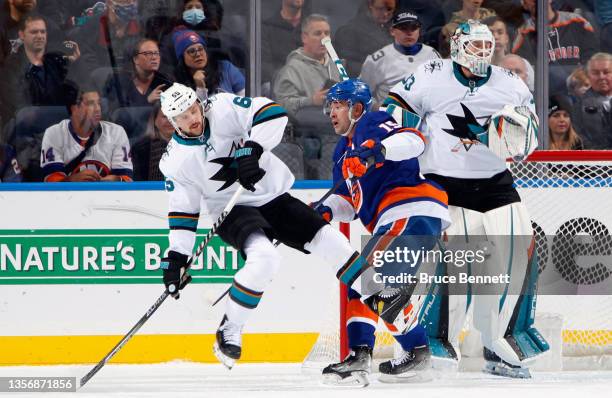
x=506, y=321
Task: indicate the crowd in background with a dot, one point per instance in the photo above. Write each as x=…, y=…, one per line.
x=89, y=66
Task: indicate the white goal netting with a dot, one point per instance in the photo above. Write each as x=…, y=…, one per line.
x=567, y=194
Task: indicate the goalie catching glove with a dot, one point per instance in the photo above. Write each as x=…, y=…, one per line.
x=249, y=172
x=174, y=266
x=357, y=161
x=513, y=132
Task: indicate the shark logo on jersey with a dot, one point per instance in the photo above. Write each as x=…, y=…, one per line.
x=433, y=66
x=466, y=128
x=228, y=173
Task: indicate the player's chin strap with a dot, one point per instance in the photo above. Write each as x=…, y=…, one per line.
x=353, y=121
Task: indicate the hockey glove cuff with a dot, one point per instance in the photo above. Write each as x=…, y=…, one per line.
x=174, y=266
x=324, y=211
x=247, y=158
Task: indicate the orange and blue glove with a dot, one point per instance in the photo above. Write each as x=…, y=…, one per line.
x=357, y=161
x=324, y=211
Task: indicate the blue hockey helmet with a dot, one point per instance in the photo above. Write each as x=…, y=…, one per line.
x=351, y=91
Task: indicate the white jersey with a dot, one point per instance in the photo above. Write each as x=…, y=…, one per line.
x=455, y=111
x=387, y=66
x=110, y=154
x=204, y=168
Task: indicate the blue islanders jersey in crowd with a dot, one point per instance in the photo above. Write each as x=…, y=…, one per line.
x=394, y=191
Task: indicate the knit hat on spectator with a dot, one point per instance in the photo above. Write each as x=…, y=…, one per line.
x=405, y=18
x=183, y=39
x=559, y=103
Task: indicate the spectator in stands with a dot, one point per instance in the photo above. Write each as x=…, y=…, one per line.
x=570, y=42
x=390, y=64
x=140, y=83
x=280, y=34
x=430, y=16
x=502, y=39
x=33, y=76
x=148, y=150
x=603, y=11
x=106, y=41
x=204, y=17
x=578, y=83
x=561, y=132
x=521, y=68
x=308, y=73
x=471, y=9
x=367, y=32
x=85, y=148
x=593, y=114
x=11, y=14
x=206, y=72
x=9, y=168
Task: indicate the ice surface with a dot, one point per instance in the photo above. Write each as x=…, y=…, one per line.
x=286, y=380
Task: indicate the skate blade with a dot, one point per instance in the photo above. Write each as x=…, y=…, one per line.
x=224, y=359
x=408, y=377
x=504, y=371
x=355, y=379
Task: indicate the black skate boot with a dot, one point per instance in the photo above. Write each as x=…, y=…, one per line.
x=411, y=367
x=389, y=304
x=227, y=348
x=496, y=366
x=353, y=370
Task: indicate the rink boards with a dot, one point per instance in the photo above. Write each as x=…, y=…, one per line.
x=106, y=246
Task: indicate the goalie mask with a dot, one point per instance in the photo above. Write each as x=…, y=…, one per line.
x=176, y=100
x=472, y=46
x=351, y=91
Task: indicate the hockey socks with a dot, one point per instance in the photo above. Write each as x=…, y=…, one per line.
x=413, y=338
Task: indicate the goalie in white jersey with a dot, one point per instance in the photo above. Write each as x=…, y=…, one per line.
x=216, y=146
x=466, y=154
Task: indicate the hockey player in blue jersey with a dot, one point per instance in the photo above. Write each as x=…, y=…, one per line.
x=391, y=200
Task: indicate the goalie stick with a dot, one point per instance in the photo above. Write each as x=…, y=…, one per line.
x=184, y=280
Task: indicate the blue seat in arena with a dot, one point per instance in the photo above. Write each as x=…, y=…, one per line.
x=132, y=119
x=27, y=133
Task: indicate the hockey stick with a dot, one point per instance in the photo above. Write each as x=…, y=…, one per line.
x=185, y=279
x=326, y=41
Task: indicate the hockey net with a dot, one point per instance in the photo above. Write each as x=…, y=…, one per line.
x=566, y=192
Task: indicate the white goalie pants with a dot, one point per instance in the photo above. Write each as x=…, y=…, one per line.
x=507, y=234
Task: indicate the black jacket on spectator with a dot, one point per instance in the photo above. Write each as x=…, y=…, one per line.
x=278, y=39
x=24, y=84
x=146, y=153
x=593, y=121
x=10, y=42
x=121, y=91
x=570, y=42
x=359, y=38
x=101, y=47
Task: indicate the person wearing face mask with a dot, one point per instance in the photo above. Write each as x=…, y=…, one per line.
x=105, y=41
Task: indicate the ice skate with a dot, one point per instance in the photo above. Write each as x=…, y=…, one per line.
x=496, y=366
x=411, y=367
x=353, y=371
x=228, y=344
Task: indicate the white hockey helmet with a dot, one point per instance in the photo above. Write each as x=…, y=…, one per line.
x=175, y=100
x=472, y=46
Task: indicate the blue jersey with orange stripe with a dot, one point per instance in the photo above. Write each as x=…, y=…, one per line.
x=393, y=185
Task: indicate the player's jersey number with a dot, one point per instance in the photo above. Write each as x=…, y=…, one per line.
x=243, y=102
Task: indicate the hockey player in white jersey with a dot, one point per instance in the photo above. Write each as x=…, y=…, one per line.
x=218, y=145
x=456, y=99
x=390, y=64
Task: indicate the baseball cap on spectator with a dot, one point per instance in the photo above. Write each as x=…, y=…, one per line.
x=183, y=39
x=559, y=103
x=405, y=19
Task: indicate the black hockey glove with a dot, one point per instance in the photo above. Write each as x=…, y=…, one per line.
x=249, y=171
x=174, y=266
